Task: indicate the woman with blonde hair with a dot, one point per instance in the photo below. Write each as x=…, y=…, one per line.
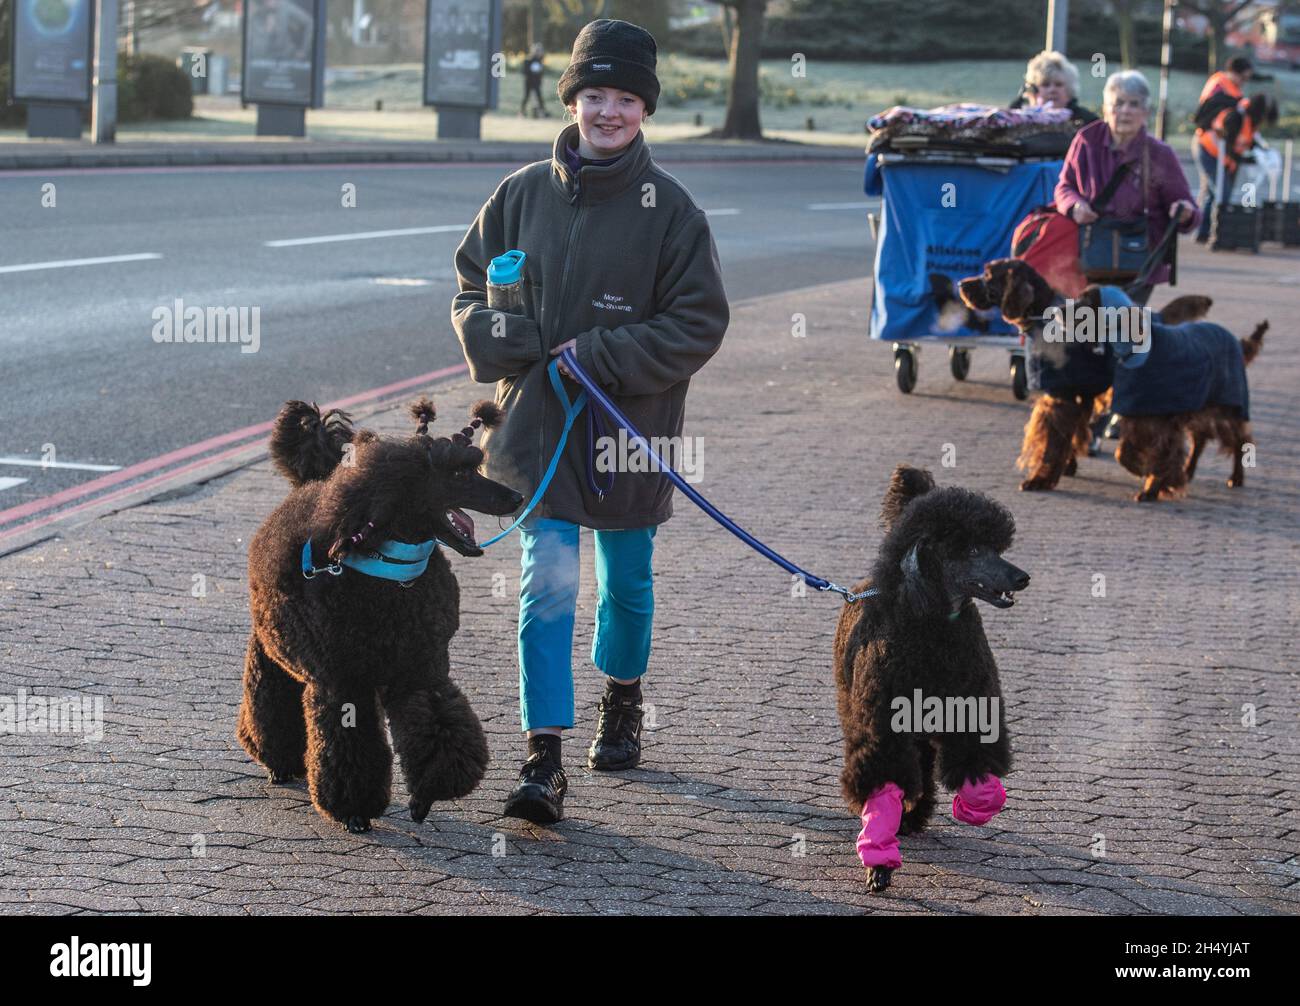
x=1051, y=79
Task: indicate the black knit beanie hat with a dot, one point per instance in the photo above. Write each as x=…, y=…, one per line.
x=610, y=53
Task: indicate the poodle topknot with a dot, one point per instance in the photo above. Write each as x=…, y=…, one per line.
x=305, y=445
x=947, y=521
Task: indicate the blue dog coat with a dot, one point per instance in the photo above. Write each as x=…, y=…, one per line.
x=1186, y=368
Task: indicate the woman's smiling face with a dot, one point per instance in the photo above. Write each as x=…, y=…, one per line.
x=608, y=120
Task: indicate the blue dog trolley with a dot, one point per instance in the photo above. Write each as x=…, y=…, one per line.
x=944, y=214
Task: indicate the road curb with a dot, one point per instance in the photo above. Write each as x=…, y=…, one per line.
x=185, y=478
x=17, y=157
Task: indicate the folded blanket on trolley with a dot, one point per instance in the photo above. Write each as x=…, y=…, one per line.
x=966, y=125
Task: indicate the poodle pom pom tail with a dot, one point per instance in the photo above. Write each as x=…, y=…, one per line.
x=905, y=485
x=489, y=412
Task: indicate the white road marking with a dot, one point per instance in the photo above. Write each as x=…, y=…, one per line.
x=721, y=213
x=367, y=235
x=9, y=483
x=402, y=281
x=839, y=206
x=38, y=463
x=69, y=262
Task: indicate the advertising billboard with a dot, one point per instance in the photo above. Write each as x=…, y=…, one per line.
x=52, y=44
x=283, y=52
x=460, y=41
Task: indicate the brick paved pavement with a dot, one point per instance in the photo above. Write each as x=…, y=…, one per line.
x=1125, y=711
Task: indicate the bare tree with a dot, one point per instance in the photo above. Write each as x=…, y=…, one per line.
x=1223, y=18
x=742, y=120
x=577, y=13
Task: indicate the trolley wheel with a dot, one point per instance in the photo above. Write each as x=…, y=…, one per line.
x=1019, y=380
x=959, y=362
x=905, y=370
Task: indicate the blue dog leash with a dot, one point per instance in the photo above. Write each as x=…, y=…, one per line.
x=571, y=410
x=400, y=561
x=593, y=390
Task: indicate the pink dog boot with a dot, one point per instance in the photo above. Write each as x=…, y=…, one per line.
x=878, y=840
x=978, y=802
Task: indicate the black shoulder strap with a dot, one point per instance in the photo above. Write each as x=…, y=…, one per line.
x=1099, y=207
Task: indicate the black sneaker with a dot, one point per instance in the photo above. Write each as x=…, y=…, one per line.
x=618, y=734
x=539, y=794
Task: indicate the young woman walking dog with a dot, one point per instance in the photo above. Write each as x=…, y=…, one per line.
x=620, y=266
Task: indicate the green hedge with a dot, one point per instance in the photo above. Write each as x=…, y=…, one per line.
x=148, y=87
x=152, y=87
x=11, y=116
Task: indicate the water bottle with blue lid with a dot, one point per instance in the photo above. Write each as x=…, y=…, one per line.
x=505, y=282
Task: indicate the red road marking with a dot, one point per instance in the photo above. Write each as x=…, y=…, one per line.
x=152, y=464
x=32, y=525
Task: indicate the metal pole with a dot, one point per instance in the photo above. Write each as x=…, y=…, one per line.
x=1286, y=171
x=128, y=26
x=103, y=103
x=536, y=23
x=1219, y=176
x=1166, y=57
x=1058, y=17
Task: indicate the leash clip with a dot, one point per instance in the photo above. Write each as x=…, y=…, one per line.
x=848, y=595
x=333, y=569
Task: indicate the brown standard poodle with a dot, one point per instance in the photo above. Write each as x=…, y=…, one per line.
x=353, y=606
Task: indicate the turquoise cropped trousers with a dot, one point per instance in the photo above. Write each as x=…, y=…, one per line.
x=548, y=599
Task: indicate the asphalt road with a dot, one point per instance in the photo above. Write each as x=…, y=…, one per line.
x=82, y=371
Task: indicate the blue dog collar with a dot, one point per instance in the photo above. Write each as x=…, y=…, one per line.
x=390, y=560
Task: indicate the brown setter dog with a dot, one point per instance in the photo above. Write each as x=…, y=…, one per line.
x=1076, y=378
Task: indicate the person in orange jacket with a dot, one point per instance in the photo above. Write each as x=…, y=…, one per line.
x=1236, y=128
x=1231, y=79
x=1220, y=91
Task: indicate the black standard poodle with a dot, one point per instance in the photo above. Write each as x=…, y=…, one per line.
x=914, y=674
x=353, y=606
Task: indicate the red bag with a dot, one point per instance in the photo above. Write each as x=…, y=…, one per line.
x=1049, y=242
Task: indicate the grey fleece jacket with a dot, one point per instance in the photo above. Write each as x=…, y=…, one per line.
x=621, y=258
